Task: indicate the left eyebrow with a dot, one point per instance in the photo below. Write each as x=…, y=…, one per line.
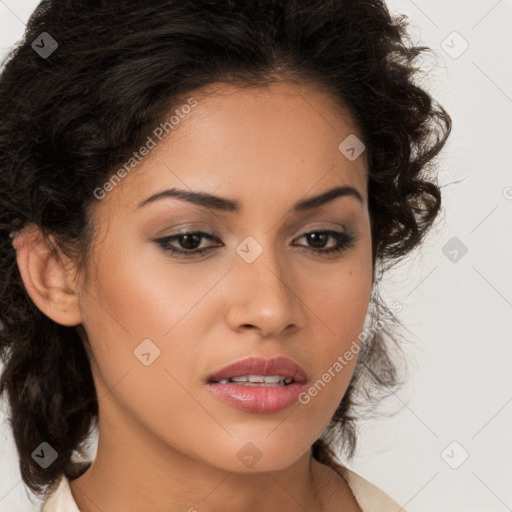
x=231, y=205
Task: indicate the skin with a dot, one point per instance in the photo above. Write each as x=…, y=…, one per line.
x=166, y=442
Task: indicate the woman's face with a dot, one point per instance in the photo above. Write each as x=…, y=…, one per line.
x=160, y=323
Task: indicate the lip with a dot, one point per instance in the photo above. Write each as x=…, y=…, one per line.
x=260, y=366
x=259, y=399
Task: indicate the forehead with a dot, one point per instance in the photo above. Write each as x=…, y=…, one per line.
x=283, y=139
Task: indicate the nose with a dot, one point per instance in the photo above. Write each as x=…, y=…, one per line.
x=264, y=296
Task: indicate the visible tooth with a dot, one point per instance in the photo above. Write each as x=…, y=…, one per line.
x=261, y=384
x=242, y=378
x=256, y=378
x=272, y=378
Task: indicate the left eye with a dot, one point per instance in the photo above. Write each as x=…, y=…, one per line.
x=190, y=241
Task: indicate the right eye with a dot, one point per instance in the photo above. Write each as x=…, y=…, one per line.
x=189, y=240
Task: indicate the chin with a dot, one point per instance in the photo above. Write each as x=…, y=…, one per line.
x=257, y=457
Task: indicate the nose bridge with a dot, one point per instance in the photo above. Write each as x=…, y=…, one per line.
x=261, y=264
x=263, y=296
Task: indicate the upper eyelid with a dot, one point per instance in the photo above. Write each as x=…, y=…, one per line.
x=213, y=232
x=202, y=227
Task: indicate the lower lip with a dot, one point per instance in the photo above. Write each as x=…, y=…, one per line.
x=264, y=399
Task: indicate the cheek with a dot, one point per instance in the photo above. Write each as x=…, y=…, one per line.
x=339, y=297
x=142, y=300
x=340, y=301
x=132, y=308
x=345, y=311
x=127, y=310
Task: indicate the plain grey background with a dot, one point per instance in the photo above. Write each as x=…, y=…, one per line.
x=449, y=446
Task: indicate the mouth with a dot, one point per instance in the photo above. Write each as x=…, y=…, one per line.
x=259, y=385
x=256, y=371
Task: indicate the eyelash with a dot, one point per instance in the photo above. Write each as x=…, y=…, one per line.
x=345, y=242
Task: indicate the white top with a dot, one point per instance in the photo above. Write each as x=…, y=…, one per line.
x=369, y=497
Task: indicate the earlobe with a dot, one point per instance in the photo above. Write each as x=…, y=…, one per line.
x=49, y=284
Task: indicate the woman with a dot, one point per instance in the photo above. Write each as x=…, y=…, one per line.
x=195, y=198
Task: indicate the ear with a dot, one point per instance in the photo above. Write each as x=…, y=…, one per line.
x=49, y=283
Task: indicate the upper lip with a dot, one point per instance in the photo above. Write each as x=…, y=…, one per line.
x=260, y=366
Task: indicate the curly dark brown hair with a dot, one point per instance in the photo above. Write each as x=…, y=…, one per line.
x=69, y=120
